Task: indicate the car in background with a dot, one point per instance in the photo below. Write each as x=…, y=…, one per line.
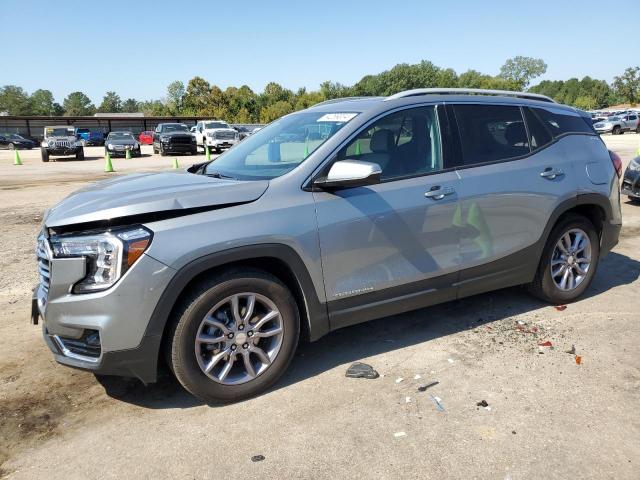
x=631, y=181
x=243, y=132
x=216, y=134
x=61, y=140
x=617, y=125
x=146, y=137
x=90, y=137
x=117, y=143
x=13, y=141
x=174, y=138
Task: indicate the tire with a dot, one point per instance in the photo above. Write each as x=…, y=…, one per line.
x=616, y=130
x=544, y=286
x=162, y=152
x=44, y=153
x=188, y=320
x=155, y=150
x=11, y=146
x=80, y=154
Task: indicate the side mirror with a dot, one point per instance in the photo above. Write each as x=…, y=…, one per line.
x=350, y=173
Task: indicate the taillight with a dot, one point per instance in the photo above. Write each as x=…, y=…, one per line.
x=617, y=162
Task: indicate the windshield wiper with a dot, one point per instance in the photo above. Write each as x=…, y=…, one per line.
x=219, y=175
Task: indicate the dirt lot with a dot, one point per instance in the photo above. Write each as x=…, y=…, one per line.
x=547, y=416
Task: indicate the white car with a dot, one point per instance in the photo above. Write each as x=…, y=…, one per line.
x=216, y=134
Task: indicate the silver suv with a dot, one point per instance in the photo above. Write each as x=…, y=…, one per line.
x=354, y=209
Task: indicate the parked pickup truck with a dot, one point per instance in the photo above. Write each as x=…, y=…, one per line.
x=216, y=134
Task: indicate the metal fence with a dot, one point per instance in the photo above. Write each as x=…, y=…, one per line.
x=34, y=126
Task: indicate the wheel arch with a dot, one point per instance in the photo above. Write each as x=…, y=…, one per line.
x=277, y=259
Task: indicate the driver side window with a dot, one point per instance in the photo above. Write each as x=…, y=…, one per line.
x=404, y=144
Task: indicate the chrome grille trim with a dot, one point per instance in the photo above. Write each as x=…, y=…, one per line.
x=43, y=253
x=225, y=135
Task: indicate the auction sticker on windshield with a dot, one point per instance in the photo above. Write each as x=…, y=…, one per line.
x=336, y=117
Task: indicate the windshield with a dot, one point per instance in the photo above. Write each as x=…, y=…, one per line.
x=613, y=119
x=175, y=127
x=59, y=132
x=16, y=136
x=215, y=125
x=279, y=147
x=120, y=136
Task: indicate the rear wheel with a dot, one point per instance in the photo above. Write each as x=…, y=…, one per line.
x=235, y=335
x=12, y=146
x=568, y=262
x=616, y=130
x=44, y=153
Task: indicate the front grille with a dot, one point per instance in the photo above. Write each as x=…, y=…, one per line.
x=224, y=135
x=63, y=143
x=44, y=263
x=182, y=139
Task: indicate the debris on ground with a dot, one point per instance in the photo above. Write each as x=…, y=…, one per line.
x=482, y=403
x=417, y=376
x=407, y=399
x=560, y=307
x=399, y=379
x=438, y=403
x=513, y=431
x=450, y=360
x=399, y=434
x=546, y=344
x=361, y=370
x=423, y=388
x=578, y=359
x=257, y=458
x=572, y=350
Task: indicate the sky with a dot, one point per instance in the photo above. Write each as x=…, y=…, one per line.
x=138, y=47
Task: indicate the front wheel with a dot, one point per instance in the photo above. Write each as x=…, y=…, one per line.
x=234, y=335
x=616, y=131
x=44, y=153
x=568, y=262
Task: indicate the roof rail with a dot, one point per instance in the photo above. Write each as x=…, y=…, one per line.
x=341, y=99
x=469, y=91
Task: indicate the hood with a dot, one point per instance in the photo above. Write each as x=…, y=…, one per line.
x=139, y=194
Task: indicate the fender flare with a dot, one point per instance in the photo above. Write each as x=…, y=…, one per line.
x=316, y=312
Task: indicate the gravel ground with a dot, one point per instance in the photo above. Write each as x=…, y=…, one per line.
x=547, y=416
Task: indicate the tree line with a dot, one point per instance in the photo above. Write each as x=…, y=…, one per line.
x=242, y=105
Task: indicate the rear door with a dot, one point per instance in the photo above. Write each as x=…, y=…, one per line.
x=513, y=175
x=391, y=247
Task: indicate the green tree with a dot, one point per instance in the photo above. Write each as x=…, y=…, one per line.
x=274, y=111
x=175, y=96
x=627, y=85
x=585, y=102
x=14, y=100
x=130, y=105
x=521, y=70
x=42, y=103
x=78, y=104
x=111, y=103
x=153, y=108
x=196, y=97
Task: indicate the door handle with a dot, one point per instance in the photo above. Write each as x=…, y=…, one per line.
x=551, y=173
x=438, y=193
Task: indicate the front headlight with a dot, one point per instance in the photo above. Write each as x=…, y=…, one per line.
x=110, y=146
x=108, y=255
x=164, y=138
x=634, y=166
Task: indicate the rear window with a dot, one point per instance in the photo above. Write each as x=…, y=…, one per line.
x=562, y=122
x=490, y=133
x=538, y=133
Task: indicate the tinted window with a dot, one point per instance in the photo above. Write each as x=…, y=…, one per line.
x=489, y=133
x=404, y=143
x=538, y=133
x=562, y=122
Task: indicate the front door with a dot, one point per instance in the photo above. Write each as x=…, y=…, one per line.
x=393, y=246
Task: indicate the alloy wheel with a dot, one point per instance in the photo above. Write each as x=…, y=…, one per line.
x=239, y=338
x=571, y=259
